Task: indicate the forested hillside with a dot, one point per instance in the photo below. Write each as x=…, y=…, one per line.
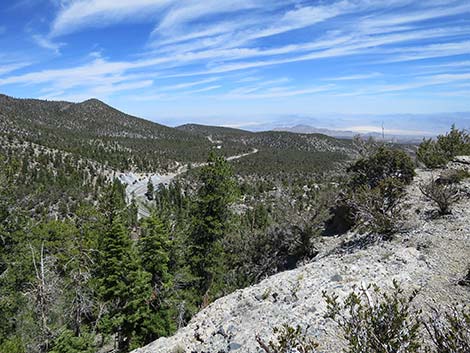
x=97, y=131
x=80, y=271
x=60, y=153
x=282, y=155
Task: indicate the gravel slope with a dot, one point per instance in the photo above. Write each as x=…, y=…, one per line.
x=430, y=255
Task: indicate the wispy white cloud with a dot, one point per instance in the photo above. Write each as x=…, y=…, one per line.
x=77, y=14
x=277, y=92
x=206, y=32
x=420, y=82
x=47, y=43
x=102, y=91
x=427, y=51
x=71, y=77
x=356, y=77
x=163, y=92
x=185, y=85
x=387, y=22
x=11, y=67
x=454, y=64
x=339, y=46
x=100, y=69
x=110, y=88
x=201, y=90
x=188, y=11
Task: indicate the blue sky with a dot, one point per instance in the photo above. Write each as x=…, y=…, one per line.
x=247, y=63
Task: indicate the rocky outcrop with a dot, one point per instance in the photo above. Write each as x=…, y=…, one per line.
x=462, y=160
x=431, y=255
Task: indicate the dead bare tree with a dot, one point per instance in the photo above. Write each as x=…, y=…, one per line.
x=43, y=294
x=81, y=305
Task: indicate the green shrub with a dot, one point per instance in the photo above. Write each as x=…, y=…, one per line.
x=430, y=154
x=376, y=186
x=365, y=147
x=383, y=164
x=12, y=345
x=437, y=153
x=289, y=340
x=377, y=322
x=373, y=321
x=378, y=210
x=454, y=143
x=67, y=342
x=453, y=176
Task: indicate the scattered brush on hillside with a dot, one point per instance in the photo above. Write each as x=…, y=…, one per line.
x=282, y=156
x=98, y=132
x=47, y=182
x=449, y=329
x=373, y=320
x=280, y=229
x=379, y=210
x=95, y=274
x=452, y=176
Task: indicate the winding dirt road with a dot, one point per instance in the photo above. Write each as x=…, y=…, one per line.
x=137, y=183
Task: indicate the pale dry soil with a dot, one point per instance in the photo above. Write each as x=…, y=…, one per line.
x=430, y=255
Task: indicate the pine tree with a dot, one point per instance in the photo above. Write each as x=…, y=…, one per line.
x=154, y=249
x=150, y=190
x=113, y=202
x=132, y=214
x=78, y=268
x=211, y=215
x=124, y=287
x=155, y=246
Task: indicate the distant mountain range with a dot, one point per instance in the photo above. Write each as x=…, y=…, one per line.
x=401, y=127
x=307, y=129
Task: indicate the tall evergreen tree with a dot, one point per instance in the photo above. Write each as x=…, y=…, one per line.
x=113, y=202
x=124, y=287
x=79, y=265
x=210, y=222
x=150, y=194
x=132, y=214
x=155, y=246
